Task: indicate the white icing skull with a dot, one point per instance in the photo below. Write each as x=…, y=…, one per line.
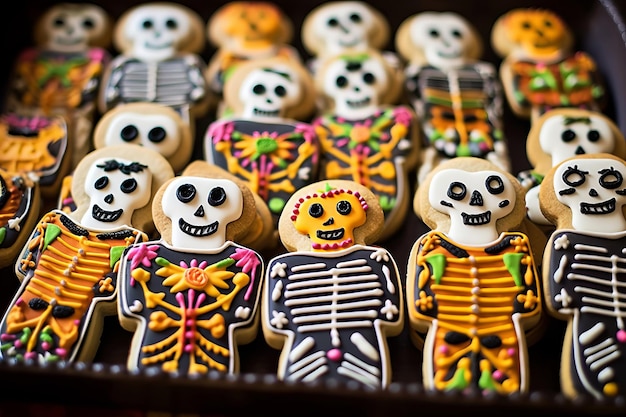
x=445, y=39
x=268, y=92
x=343, y=25
x=116, y=188
x=200, y=209
x=154, y=131
x=156, y=31
x=355, y=86
x=73, y=27
x=474, y=201
x=594, y=190
x=563, y=137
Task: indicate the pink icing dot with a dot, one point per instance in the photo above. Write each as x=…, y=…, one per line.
x=6, y=337
x=334, y=355
x=188, y=348
x=18, y=343
x=189, y=323
x=45, y=345
x=61, y=352
x=621, y=336
x=30, y=355
x=510, y=352
x=497, y=375
x=189, y=335
x=444, y=350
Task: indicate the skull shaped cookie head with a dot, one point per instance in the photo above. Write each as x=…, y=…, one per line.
x=594, y=190
x=474, y=202
x=268, y=92
x=116, y=188
x=200, y=209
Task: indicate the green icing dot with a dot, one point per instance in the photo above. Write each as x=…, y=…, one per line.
x=276, y=205
x=463, y=150
x=266, y=145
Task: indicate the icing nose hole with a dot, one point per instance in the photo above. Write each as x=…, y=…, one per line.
x=477, y=199
x=268, y=100
x=357, y=89
x=329, y=222
x=199, y=212
x=593, y=192
x=108, y=199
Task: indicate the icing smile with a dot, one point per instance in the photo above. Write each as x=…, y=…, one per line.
x=104, y=215
x=154, y=46
x=360, y=103
x=476, y=219
x=261, y=112
x=603, y=207
x=331, y=234
x=197, y=231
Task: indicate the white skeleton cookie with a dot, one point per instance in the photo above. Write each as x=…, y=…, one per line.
x=191, y=297
x=331, y=302
x=69, y=265
x=584, y=197
x=473, y=291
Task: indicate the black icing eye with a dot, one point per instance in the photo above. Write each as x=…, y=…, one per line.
x=128, y=186
x=593, y=136
x=185, y=193
x=147, y=24
x=568, y=135
x=157, y=134
x=258, y=89
x=457, y=191
x=526, y=25
x=316, y=210
x=280, y=91
x=433, y=33
x=547, y=23
x=101, y=183
x=574, y=176
x=344, y=207
x=88, y=23
x=356, y=18
x=341, y=81
x=171, y=24
x=332, y=22
x=58, y=22
x=494, y=184
x=457, y=34
x=217, y=196
x=610, y=178
x=369, y=78
x=129, y=133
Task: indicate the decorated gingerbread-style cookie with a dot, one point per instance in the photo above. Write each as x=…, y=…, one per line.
x=159, y=62
x=246, y=30
x=540, y=70
x=192, y=296
x=457, y=96
x=69, y=265
x=60, y=75
x=584, y=197
x=331, y=303
x=265, y=142
x=472, y=285
x=38, y=146
x=363, y=137
x=563, y=133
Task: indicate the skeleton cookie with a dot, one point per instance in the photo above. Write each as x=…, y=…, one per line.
x=584, y=197
x=192, y=296
x=263, y=142
x=540, y=71
x=456, y=96
x=159, y=62
x=69, y=265
x=61, y=74
x=331, y=303
x=472, y=285
x=364, y=138
x=563, y=133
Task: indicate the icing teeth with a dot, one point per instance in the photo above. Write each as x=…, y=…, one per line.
x=261, y=112
x=603, y=207
x=476, y=219
x=104, y=215
x=359, y=103
x=331, y=235
x=197, y=231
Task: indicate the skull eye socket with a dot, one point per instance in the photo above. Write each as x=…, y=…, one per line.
x=610, y=178
x=128, y=186
x=157, y=135
x=280, y=91
x=147, y=24
x=341, y=81
x=316, y=210
x=369, y=78
x=356, y=18
x=433, y=33
x=568, y=135
x=574, y=176
x=457, y=191
x=494, y=184
x=101, y=183
x=258, y=89
x=185, y=193
x=333, y=22
x=547, y=23
x=526, y=25
x=88, y=23
x=593, y=136
x=171, y=24
x=217, y=196
x=457, y=34
x=58, y=22
x=129, y=133
x=344, y=207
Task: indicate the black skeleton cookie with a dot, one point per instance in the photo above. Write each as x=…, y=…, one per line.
x=584, y=197
x=331, y=302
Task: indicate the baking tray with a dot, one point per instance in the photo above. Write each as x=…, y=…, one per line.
x=105, y=387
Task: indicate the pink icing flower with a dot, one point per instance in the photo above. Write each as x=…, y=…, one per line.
x=308, y=132
x=402, y=115
x=142, y=254
x=248, y=261
x=193, y=264
x=221, y=131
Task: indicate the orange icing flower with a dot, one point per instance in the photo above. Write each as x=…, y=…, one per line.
x=196, y=278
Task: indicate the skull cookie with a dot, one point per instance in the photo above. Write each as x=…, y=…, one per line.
x=331, y=302
x=584, y=197
x=472, y=285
